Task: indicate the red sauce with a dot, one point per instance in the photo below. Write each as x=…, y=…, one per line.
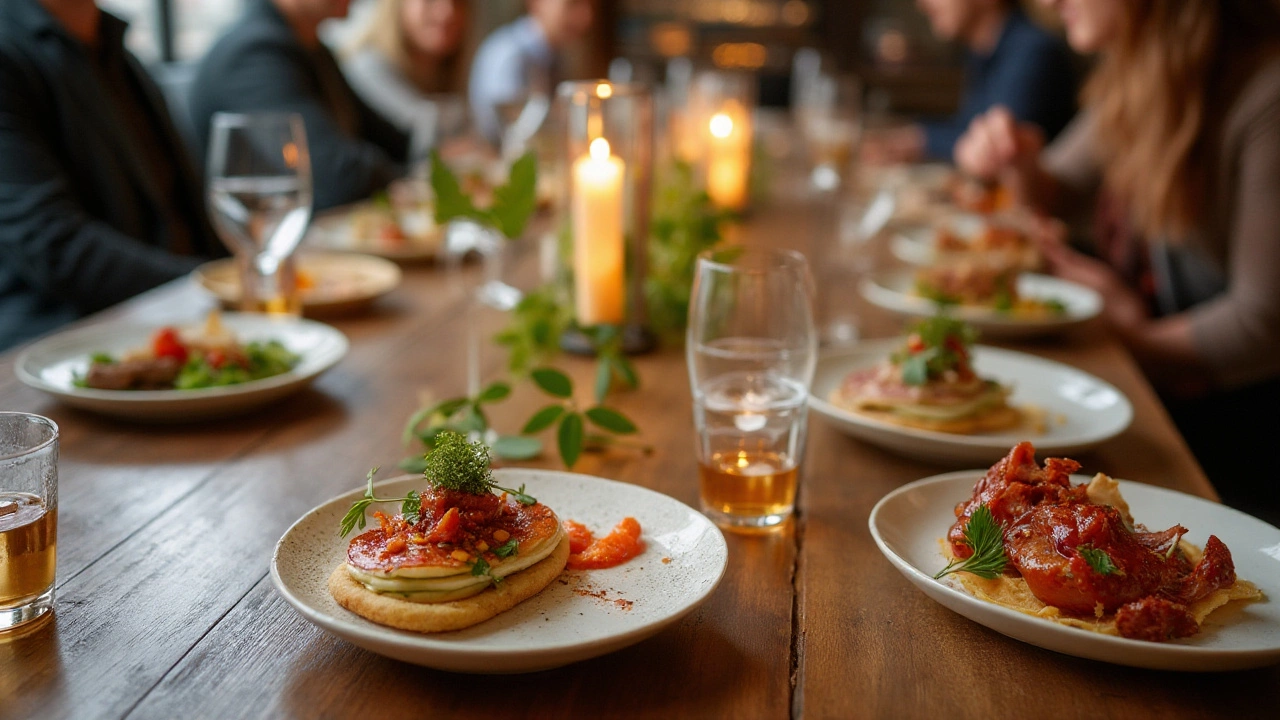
x=619, y=546
x=452, y=524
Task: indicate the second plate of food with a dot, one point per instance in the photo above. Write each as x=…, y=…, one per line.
x=1064, y=410
x=580, y=615
x=1043, y=304
x=330, y=283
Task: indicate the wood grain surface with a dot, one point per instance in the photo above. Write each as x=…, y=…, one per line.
x=165, y=608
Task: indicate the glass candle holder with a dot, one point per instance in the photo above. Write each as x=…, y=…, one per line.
x=607, y=170
x=722, y=107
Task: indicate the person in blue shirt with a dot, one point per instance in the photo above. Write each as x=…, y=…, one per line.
x=520, y=58
x=1011, y=61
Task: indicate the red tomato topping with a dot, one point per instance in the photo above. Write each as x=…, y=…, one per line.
x=914, y=343
x=447, y=530
x=580, y=537
x=619, y=546
x=166, y=344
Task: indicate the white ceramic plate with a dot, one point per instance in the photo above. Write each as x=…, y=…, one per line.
x=907, y=523
x=557, y=626
x=1081, y=411
x=914, y=244
x=339, y=230
x=50, y=365
x=892, y=291
x=339, y=282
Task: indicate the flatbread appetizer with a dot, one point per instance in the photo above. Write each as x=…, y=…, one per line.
x=1029, y=540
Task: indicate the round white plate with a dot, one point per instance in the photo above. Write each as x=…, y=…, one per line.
x=50, y=365
x=557, y=626
x=340, y=282
x=908, y=522
x=915, y=244
x=892, y=291
x=335, y=230
x=1081, y=411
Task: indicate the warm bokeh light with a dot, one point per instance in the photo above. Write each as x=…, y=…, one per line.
x=747, y=55
x=290, y=152
x=721, y=126
x=599, y=149
x=796, y=12
x=604, y=91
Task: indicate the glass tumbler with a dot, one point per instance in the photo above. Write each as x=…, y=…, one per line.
x=751, y=348
x=28, y=517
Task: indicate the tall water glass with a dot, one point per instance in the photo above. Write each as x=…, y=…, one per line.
x=751, y=350
x=260, y=201
x=28, y=517
x=831, y=124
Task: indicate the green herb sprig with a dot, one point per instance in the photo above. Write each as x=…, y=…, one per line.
x=571, y=436
x=985, y=537
x=1099, y=560
x=410, y=507
x=465, y=415
x=513, y=202
x=944, y=344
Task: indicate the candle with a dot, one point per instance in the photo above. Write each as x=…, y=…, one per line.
x=599, y=268
x=729, y=157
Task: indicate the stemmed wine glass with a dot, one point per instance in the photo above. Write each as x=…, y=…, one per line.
x=260, y=200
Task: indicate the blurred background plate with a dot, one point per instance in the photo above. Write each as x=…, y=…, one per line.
x=331, y=283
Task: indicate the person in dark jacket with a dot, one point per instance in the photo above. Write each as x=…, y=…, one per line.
x=98, y=199
x=272, y=59
x=1010, y=62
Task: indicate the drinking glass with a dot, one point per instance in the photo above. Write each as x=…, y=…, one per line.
x=830, y=123
x=751, y=350
x=28, y=517
x=260, y=200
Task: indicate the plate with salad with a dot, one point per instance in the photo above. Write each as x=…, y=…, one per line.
x=223, y=365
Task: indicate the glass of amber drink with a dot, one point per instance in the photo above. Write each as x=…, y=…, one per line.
x=28, y=517
x=751, y=348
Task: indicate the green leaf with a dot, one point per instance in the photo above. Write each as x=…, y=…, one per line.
x=611, y=420
x=511, y=547
x=515, y=201
x=101, y=358
x=604, y=378
x=543, y=419
x=514, y=447
x=985, y=537
x=1055, y=306
x=625, y=370
x=495, y=392
x=570, y=438
x=520, y=495
x=1099, y=560
x=553, y=382
x=480, y=567
x=450, y=201
x=411, y=508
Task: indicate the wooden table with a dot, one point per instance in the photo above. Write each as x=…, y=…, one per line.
x=165, y=608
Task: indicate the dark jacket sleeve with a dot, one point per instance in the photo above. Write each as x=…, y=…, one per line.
x=266, y=73
x=46, y=236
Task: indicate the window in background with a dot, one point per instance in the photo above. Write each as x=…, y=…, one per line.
x=198, y=23
x=143, y=38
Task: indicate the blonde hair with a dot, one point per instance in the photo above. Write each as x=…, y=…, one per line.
x=1159, y=95
x=383, y=33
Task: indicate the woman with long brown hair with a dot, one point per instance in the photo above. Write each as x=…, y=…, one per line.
x=408, y=62
x=1177, y=152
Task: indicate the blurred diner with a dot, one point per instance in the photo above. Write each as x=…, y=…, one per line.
x=1177, y=154
x=522, y=58
x=409, y=63
x=273, y=59
x=1010, y=61
x=98, y=198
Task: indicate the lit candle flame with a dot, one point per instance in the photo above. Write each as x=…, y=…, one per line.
x=604, y=91
x=721, y=125
x=599, y=149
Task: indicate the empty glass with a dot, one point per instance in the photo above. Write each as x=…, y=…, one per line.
x=260, y=201
x=752, y=348
x=28, y=517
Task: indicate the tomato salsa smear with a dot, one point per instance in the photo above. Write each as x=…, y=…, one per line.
x=453, y=529
x=619, y=546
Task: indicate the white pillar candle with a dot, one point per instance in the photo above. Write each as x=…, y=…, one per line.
x=599, y=265
x=729, y=157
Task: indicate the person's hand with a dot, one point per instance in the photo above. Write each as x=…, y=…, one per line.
x=893, y=146
x=996, y=142
x=1123, y=307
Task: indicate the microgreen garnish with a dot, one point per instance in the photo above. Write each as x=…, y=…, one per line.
x=936, y=345
x=410, y=507
x=985, y=537
x=1099, y=560
x=511, y=547
x=462, y=466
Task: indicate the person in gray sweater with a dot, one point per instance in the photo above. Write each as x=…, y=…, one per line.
x=272, y=59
